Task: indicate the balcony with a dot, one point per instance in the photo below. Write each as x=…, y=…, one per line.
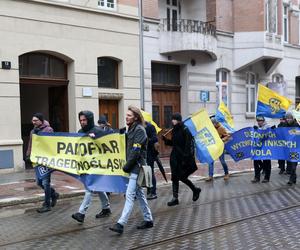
x=257, y=47
x=187, y=35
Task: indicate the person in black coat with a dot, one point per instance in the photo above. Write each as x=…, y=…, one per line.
x=291, y=166
x=151, y=157
x=182, y=160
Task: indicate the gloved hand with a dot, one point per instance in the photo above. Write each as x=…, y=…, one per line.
x=255, y=127
x=273, y=127
x=122, y=130
x=126, y=169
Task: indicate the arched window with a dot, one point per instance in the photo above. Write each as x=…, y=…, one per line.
x=107, y=72
x=222, y=80
x=40, y=65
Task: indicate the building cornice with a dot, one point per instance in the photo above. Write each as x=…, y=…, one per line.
x=81, y=8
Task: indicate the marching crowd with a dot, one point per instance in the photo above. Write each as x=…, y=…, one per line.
x=142, y=149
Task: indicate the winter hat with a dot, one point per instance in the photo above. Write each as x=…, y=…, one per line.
x=102, y=119
x=260, y=118
x=40, y=116
x=177, y=117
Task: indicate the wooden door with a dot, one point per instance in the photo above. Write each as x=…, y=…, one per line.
x=165, y=102
x=109, y=108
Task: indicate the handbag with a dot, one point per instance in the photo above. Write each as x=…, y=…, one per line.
x=145, y=176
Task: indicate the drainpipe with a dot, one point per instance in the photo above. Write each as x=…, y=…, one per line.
x=141, y=52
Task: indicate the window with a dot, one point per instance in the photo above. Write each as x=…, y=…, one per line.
x=39, y=65
x=277, y=78
x=250, y=92
x=165, y=73
x=173, y=12
x=285, y=23
x=107, y=4
x=222, y=86
x=271, y=16
x=107, y=73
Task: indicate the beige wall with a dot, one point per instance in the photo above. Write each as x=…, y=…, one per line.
x=77, y=35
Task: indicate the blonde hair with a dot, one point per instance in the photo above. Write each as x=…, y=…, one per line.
x=137, y=114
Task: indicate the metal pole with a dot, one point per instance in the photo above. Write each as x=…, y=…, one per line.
x=141, y=52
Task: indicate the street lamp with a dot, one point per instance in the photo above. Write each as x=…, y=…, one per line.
x=141, y=52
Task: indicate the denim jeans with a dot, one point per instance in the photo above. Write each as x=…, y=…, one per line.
x=44, y=183
x=88, y=199
x=223, y=162
x=134, y=191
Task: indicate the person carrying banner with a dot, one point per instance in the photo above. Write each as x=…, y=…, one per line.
x=86, y=119
x=260, y=165
x=51, y=196
x=281, y=163
x=136, y=151
x=182, y=159
x=291, y=166
x=224, y=135
x=151, y=156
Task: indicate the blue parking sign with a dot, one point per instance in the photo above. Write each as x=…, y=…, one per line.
x=204, y=96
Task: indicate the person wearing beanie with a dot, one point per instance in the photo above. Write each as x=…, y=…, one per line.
x=102, y=123
x=260, y=165
x=43, y=181
x=291, y=166
x=182, y=159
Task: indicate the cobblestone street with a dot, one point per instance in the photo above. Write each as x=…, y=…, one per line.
x=229, y=215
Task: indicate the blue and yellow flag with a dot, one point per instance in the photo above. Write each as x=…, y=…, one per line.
x=224, y=117
x=148, y=118
x=271, y=104
x=209, y=145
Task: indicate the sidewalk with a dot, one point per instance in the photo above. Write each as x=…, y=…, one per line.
x=20, y=187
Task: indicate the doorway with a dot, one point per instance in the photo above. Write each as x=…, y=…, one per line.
x=44, y=89
x=109, y=108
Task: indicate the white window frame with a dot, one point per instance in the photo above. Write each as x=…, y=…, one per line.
x=250, y=86
x=222, y=83
x=267, y=17
x=106, y=5
x=285, y=33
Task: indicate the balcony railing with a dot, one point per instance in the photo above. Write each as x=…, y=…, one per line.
x=185, y=25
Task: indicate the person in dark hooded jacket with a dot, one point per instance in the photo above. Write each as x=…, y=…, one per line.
x=291, y=166
x=182, y=159
x=44, y=181
x=86, y=119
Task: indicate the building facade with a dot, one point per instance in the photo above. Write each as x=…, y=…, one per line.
x=200, y=52
x=59, y=57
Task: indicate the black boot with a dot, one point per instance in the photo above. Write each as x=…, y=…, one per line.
x=173, y=202
x=118, y=228
x=79, y=217
x=104, y=213
x=54, y=199
x=44, y=209
x=196, y=194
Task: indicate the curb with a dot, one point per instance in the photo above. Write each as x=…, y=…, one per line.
x=40, y=197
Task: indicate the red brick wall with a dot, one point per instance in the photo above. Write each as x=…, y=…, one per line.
x=248, y=15
x=279, y=15
x=129, y=2
x=211, y=11
x=224, y=15
x=150, y=9
x=294, y=29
